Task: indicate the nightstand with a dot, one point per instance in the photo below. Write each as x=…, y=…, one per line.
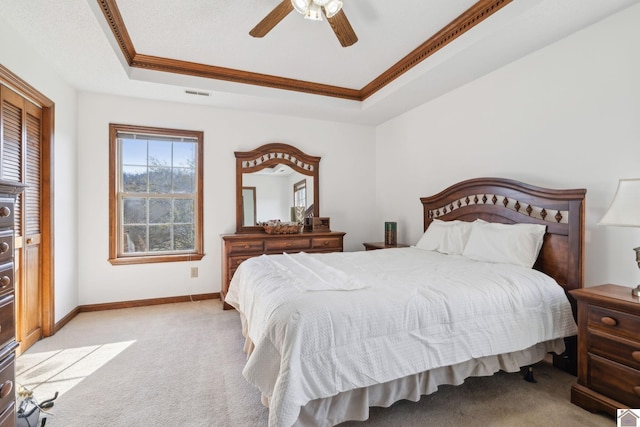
x=372, y=246
x=608, y=349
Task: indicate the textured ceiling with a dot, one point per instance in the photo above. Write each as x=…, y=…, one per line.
x=78, y=41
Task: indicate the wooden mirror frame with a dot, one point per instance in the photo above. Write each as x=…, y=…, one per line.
x=269, y=155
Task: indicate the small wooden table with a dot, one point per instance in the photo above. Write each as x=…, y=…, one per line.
x=372, y=246
x=608, y=349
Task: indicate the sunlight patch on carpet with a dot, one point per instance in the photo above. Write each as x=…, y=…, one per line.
x=60, y=370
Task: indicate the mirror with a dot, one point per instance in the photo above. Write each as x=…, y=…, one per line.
x=270, y=181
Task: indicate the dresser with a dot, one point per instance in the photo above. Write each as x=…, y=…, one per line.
x=241, y=246
x=608, y=349
x=8, y=342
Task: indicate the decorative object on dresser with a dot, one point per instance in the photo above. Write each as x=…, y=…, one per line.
x=253, y=240
x=625, y=212
x=316, y=224
x=371, y=246
x=390, y=233
x=608, y=349
x=8, y=344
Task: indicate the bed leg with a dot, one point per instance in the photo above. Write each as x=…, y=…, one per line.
x=528, y=376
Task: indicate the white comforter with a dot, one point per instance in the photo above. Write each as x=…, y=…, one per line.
x=327, y=323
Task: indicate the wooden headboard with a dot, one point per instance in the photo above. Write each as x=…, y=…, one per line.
x=508, y=201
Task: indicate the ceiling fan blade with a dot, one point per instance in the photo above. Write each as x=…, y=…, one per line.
x=272, y=19
x=342, y=28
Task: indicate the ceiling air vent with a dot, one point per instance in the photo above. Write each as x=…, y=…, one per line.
x=195, y=92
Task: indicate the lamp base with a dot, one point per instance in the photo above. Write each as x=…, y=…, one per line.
x=635, y=291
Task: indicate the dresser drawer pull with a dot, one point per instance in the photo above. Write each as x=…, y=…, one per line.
x=5, y=211
x=326, y=243
x=636, y=356
x=247, y=246
x=609, y=321
x=5, y=281
x=4, y=247
x=238, y=262
x=6, y=388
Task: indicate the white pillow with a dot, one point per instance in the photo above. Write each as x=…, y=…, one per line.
x=448, y=237
x=517, y=244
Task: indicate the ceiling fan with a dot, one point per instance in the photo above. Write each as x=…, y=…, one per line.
x=311, y=9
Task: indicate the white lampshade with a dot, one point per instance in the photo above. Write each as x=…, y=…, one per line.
x=625, y=208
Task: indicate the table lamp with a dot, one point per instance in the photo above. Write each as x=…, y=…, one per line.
x=625, y=212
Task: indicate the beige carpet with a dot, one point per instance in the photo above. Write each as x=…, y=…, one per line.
x=180, y=365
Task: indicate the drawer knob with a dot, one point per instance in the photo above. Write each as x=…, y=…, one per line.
x=636, y=356
x=4, y=247
x=609, y=321
x=4, y=282
x=6, y=388
x=326, y=242
x=247, y=246
x=5, y=211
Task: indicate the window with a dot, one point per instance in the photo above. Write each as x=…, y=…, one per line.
x=300, y=194
x=155, y=195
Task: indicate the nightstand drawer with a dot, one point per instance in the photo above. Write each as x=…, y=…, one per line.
x=614, y=380
x=613, y=348
x=615, y=322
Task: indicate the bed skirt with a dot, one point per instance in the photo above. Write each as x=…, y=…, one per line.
x=353, y=405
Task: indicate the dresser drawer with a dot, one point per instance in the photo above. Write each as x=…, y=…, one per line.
x=290, y=244
x=6, y=278
x=7, y=323
x=614, y=380
x=6, y=213
x=6, y=245
x=615, y=322
x=7, y=382
x=620, y=350
x=248, y=246
x=326, y=243
x=8, y=417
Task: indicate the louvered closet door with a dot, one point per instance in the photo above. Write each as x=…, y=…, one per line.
x=21, y=158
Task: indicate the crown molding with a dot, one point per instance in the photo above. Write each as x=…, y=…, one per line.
x=463, y=23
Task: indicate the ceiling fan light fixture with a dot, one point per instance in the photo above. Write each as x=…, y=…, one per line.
x=314, y=13
x=301, y=6
x=332, y=7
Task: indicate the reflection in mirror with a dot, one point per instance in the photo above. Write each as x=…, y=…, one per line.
x=249, y=205
x=275, y=192
x=284, y=177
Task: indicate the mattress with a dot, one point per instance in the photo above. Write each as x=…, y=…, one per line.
x=325, y=324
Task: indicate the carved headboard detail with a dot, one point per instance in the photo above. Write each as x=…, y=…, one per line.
x=508, y=201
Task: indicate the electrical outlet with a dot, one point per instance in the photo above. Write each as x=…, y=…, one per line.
x=194, y=272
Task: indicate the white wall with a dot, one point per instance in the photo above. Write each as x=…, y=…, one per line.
x=23, y=61
x=347, y=189
x=567, y=116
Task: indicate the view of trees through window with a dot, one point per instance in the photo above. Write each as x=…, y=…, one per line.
x=157, y=193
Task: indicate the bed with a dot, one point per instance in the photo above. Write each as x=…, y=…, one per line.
x=330, y=335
